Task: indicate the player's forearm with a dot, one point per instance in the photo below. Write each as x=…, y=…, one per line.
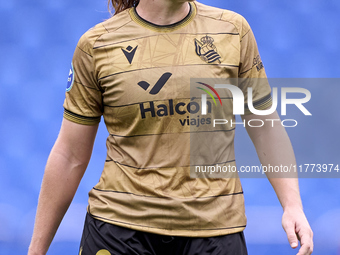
x=274, y=149
x=59, y=185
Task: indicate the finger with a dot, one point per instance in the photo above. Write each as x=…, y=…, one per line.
x=292, y=238
x=305, y=250
x=306, y=244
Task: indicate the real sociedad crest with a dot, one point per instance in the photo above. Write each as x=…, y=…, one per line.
x=206, y=50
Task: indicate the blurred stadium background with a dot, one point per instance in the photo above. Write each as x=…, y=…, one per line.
x=299, y=38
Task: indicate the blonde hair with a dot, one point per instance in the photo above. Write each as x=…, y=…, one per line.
x=121, y=5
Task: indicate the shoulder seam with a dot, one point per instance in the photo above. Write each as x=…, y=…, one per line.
x=218, y=19
x=84, y=51
x=224, y=21
x=100, y=35
x=245, y=34
x=221, y=15
x=107, y=31
x=122, y=25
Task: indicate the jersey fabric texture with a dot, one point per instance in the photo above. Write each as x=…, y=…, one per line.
x=102, y=238
x=137, y=75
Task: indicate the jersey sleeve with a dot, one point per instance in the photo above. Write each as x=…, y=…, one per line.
x=83, y=100
x=251, y=71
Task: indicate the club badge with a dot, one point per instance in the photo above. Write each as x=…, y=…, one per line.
x=206, y=50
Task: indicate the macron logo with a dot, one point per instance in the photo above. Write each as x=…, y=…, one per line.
x=129, y=53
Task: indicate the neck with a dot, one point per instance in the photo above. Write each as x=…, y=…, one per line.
x=163, y=12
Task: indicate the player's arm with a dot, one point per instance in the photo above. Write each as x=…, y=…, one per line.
x=65, y=167
x=274, y=148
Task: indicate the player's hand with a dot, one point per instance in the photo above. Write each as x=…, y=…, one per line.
x=297, y=228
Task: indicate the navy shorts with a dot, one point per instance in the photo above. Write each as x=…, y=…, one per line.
x=101, y=238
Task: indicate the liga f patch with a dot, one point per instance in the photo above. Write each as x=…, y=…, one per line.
x=70, y=79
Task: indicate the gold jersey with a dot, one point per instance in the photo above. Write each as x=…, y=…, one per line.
x=137, y=75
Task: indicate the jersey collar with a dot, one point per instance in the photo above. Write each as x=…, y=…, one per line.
x=167, y=28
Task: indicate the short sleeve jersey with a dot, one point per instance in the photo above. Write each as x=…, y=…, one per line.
x=137, y=76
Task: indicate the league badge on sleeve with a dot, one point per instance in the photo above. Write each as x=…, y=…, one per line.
x=70, y=79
